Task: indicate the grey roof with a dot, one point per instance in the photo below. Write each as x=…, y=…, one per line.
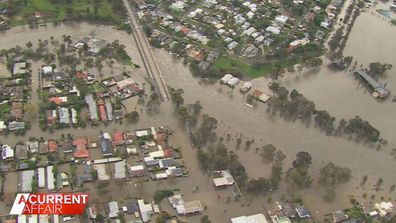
x=93, y=110
x=109, y=109
x=372, y=83
x=105, y=146
x=16, y=125
x=120, y=169
x=303, y=212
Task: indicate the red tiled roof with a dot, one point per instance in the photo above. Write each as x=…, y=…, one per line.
x=257, y=93
x=102, y=111
x=118, y=137
x=168, y=153
x=52, y=146
x=80, y=142
x=56, y=100
x=82, y=74
x=50, y=120
x=81, y=152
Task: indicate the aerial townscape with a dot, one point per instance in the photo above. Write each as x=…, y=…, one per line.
x=200, y=111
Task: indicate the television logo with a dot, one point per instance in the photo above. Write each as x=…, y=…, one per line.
x=60, y=204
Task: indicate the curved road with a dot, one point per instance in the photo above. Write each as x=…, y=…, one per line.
x=147, y=56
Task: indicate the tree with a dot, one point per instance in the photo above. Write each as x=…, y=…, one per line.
x=177, y=96
x=31, y=109
x=197, y=107
x=133, y=117
x=377, y=69
x=268, y=152
x=258, y=185
x=332, y=175
x=303, y=159
x=205, y=219
x=299, y=177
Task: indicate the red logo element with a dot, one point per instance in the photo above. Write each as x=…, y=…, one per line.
x=60, y=204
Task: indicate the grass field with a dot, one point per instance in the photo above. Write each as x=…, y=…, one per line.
x=229, y=64
x=61, y=11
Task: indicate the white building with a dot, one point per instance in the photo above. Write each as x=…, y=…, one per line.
x=257, y=218
x=146, y=210
x=384, y=208
x=50, y=178
x=113, y=209
x=41, y=177
x=7, y=153
x=272, y=29
x=27, y=179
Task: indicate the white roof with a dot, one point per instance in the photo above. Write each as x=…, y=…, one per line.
x=27, y=179
x=157, y=154
x=2, y=125
x=41, y=177
x=141, y=133
x=226, y=78
x=146, y=210
x=43, y=218
x=257, y=218
x=137, y=168
x=233, y=81
x=21, y=219
x=50, y=178
x=33, y=219
x=47, y=69
x=161, y=176
x=113, y=209
x=264, y=97
x=273, y=30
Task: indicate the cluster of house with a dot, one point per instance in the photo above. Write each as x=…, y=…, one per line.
x=14, y=94
x=150, y=152
x=284, y=212
x=232, y=81
x=216, y=14
x=123, y=86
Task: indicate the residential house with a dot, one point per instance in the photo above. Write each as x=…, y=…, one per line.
x=7, y=153
x=184, y=208
x=21, y=152
x=19, y=68
x=146, y=210
x=225, y=178
x=93, y=111
x=26, y=180
x=13, y=126
x=113, y=209
x=303, y=212
x=105, y=144
x=52, y=145
x=64, y=116
x=120, y=170
x=256, y=218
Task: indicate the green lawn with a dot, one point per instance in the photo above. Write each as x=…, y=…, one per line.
x=57, y=11
x=229, y=64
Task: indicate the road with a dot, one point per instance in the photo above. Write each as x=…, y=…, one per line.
x=147, y=56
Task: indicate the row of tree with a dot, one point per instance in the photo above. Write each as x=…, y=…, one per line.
x=294, y=104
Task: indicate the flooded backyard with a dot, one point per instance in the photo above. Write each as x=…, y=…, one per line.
x=337, y=92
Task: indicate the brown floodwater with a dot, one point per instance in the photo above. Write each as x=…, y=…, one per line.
x=339, y=93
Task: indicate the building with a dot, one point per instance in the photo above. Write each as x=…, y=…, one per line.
x=33, y=146
x=256, y=218
x=43, y=147
x=185, y=208
x=106, y=145
x=226, y=78
x=93, y=111
x=378, y=89
x=246, y=87
x=41, y=177
x=64, y=116
x=137, y=171
x=109, y=109
x=118, y=138
x=120, y=170
x=339, y=216
x=233, y=81
x=52, y=146
x=102, y=172
x=13, y=126
x=272, y=29
x=113, y=209
x=21, y=219
x=261, y=96
x=21, y=152
x=225, y=179
x=50, y=178
x=146, y=210
x=102, y=110
x=47, y=70
x=7, y=153
x=384, y=208
x=303, y=212
x=27, y=179
x=19, y=68
x=3, y=126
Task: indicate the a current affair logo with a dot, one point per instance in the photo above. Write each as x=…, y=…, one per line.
x=61, y=204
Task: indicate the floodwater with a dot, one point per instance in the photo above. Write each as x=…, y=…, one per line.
x=337, y=92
